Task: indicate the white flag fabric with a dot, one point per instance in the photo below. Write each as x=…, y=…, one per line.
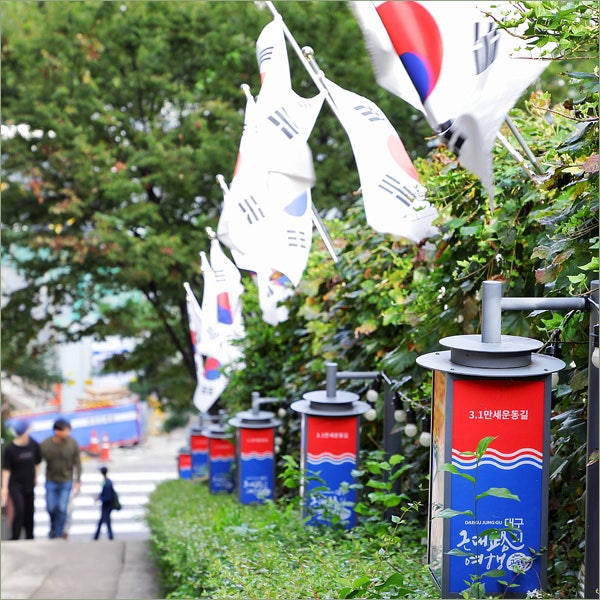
x=210, y=342
x=451, y=62
x=244, y=164
x=195, y=318
x=271, y=55
x=394, y=199
x=211, y=384
x=221, y=307
x=273, y=288
x=215, y=325
x=210, y=381
x=228, y=286
x=266, y=216
x=266, y=219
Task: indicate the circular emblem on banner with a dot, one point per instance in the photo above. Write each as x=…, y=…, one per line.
x=519, y=562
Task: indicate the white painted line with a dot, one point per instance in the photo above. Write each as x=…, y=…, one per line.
x=90, y=528
x=94, y=515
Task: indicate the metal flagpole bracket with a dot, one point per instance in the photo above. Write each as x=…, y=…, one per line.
x=221, y=181
x=525, y=146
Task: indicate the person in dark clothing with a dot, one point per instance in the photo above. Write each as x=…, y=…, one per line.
x=63, y=475
x=107, y=497
x=20, y=466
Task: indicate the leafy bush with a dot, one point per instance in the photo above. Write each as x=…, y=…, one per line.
x=212, y=546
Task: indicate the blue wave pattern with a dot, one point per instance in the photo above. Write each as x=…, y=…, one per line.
x=257, y=456
x=334, y=459
x=500, y=460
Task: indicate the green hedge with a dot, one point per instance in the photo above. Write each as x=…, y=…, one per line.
x=208, y=545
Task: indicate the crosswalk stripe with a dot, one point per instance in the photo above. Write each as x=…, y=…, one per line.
x=41, y=531
x=134, y=490
x=122, y=488
x=83, y=502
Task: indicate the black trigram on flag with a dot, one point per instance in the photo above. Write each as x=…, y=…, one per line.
x=454, y=138
x=485, y=47
x=282, y=121
x=205, y=390
x=296, y=238
x=370, y=113
x=397, y=189
x=251, y=209
x=220, y=275
x=263, y=56
x=211, y=333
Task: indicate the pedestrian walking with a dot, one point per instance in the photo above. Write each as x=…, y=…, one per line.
x=63, y=475
x=107, y=497
x=20, y=467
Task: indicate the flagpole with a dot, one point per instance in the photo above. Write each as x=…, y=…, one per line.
x=320, y=227
x=314, y=74
x=516, y=155
x=306, y=56
x=525, y=146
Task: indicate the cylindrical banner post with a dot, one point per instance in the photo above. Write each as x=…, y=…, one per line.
x=255, y=455
x=199, y=451
x=221, y=460
x=329, y=452
x=491, y=428
x=184, y=463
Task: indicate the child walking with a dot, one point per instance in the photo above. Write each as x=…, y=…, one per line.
x=107, y=497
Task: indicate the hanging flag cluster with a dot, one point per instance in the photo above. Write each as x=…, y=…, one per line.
x=451, y=62
x=216, y=325
x=266, y=219
x=447, y=59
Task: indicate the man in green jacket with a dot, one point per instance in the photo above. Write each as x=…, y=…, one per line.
x=63, y=475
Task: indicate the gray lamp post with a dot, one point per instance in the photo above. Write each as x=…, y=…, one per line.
x=471, y=397
x=255, y=451
x=329, y=446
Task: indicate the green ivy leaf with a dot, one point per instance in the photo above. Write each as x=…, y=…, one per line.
x=449, y=468
x=498, y=493
x=482, y=446
x=449, y=513
x=494, y=573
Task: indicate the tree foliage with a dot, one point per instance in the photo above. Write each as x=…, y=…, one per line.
x=120, y=116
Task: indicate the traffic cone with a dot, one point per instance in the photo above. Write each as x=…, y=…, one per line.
x=105, y=452
x=94, y=444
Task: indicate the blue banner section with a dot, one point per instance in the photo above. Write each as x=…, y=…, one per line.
x=515, y=526
x=338, y=499
x=220, y=477
x=199, y=464
x=184, y=465
x=257, y=479
x=121, y=423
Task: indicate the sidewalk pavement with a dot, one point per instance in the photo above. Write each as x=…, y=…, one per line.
x=87, y=569
x=93, y=570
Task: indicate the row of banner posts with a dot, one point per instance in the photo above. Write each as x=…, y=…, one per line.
x=489, y=386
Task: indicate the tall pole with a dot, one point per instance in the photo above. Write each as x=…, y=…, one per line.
x=493, y=304
x=592, y=465
x=525, y=146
